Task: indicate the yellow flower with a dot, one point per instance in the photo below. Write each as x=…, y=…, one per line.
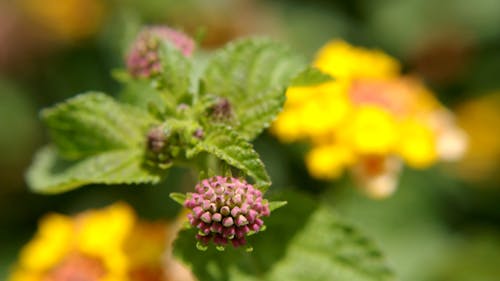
x=417, y=144
x=142, y=245
x=479, y=118
x=312, y=112
x=50, y=245
x=68, y=19
x=97, y=245
x=329, y=161
x=102, y=233
x=343, y=61
x=370, y=130
x=368, y=116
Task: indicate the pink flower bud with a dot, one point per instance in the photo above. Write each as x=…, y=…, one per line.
x=143, y=59
x=206, y=217
x=225, y=210
x=217, y=217
x=230, y=209
x=227, y=222
x=241, y=220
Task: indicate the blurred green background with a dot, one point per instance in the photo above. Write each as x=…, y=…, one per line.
x=442, y=224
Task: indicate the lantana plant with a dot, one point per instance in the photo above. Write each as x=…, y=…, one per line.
x=179, y=110
x=180, y=119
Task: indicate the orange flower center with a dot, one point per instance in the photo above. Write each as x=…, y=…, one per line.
x=393, y=96
x=77, y=267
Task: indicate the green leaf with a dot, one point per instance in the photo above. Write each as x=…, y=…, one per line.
x=423, y=242
x=92, y=123
x=308, y=241
x=310, y=77
x=178, y=197
x=253, y=75
x=276, y=205
x=141, y=93
x=227, y=145
x=176, y=71
x=51, y=174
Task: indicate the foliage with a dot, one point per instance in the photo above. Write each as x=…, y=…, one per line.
x=424, y=228
x=175, y=116
x=252, y=75
x=90, y=130
x=51, y=174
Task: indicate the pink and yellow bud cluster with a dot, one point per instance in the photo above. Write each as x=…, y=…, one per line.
x=226, y=209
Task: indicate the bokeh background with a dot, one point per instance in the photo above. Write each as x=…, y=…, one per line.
x=441, y=224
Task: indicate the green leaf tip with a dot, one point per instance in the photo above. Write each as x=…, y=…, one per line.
x=201, y=247
x=309, y=77
x=276, y=205
x=178, y=197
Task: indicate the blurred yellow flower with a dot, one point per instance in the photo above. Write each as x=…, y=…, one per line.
x=368, y=120
x=66, y=20
x=321, y=164
x=344, y=61
x=479, y=118
x=97, y=245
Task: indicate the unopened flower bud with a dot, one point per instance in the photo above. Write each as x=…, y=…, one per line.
x=206, y=217
x=222, y=110
x=227, y=222
x=217, y=217
x=225, y=210
x=228, y=211
x=143, y=59
x=241, y=220
x=156, y=139
x=199, y=133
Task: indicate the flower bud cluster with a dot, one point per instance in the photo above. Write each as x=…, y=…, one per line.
x=226, y=209
x=222, y=110
x=156, y=139
x=143, y=59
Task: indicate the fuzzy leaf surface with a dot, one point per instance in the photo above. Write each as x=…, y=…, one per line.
x=176, y=71
x=228, y=146
x=141, y=93
x=309, y=77
x=93, y=123
x=304, y=241
x=51, y=174
x=253, y=75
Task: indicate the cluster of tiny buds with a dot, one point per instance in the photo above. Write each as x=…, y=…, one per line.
x=156, y=139
x=222, y=110
x=143, y=59
x=226, y=210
